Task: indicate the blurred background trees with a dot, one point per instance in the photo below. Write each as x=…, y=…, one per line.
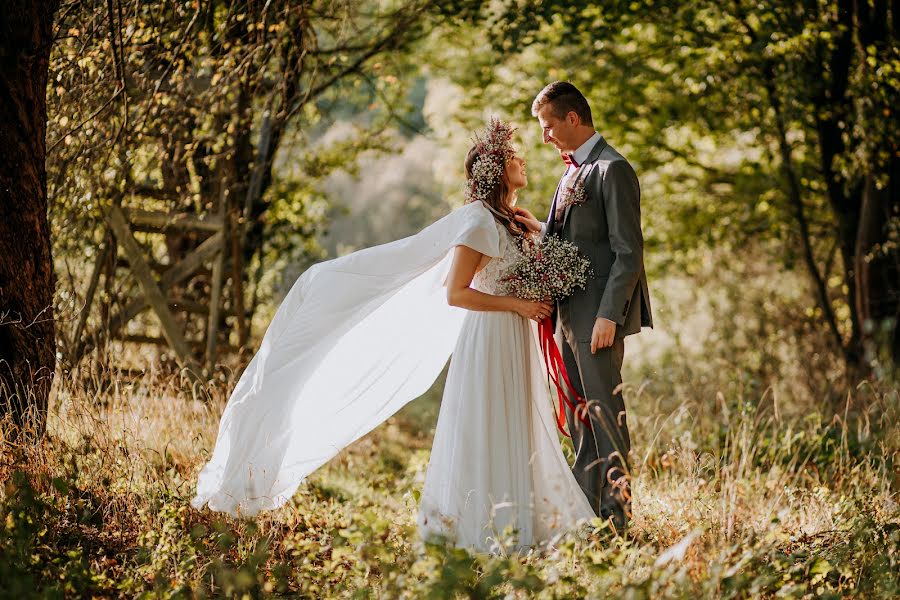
x=766, y=123
x=763, y=135
x=180, y=107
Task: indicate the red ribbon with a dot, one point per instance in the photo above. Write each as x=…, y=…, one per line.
x=556, y=369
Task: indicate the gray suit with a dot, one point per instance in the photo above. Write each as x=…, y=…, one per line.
x=606, y=227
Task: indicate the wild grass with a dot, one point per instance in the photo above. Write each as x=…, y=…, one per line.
x=735, y=497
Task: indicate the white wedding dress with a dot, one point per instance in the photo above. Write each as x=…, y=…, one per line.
x=496, y=461
x=358, y=337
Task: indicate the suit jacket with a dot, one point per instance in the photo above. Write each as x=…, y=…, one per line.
x=606, y=227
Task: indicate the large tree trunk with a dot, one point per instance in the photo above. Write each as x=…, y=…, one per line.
x=27, y=333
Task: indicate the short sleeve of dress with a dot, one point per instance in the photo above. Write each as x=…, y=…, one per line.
x=479, y=230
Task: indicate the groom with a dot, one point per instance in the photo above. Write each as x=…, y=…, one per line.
x=597, y=208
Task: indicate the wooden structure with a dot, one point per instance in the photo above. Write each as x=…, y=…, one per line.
x=187, y=296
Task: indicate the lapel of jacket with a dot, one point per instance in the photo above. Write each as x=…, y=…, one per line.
x=583, y=170
x=552, y=216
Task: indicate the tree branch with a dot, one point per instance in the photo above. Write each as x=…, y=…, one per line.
x=796, y=199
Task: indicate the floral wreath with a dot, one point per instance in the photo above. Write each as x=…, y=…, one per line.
x=494, y=150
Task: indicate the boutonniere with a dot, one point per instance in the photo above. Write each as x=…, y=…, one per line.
x=574, y=194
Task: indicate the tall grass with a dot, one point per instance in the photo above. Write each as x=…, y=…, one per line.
x=732, y=499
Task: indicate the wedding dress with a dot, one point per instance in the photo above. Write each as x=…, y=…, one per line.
x=358, y=337
x=496, y=460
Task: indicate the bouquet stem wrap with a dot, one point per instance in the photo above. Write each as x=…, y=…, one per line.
x=556, y=370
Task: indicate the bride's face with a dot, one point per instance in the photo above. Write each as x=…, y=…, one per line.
x=515, y=174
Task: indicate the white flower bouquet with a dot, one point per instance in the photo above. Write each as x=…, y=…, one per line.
x=550, y=269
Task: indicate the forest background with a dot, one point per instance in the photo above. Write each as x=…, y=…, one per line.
x=764, y=402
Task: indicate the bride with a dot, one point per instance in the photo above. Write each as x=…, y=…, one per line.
x=358, y=337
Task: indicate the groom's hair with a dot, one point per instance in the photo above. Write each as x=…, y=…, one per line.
x=563, y=98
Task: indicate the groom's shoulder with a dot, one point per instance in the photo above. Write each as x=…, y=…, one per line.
x=609, y=155
x=611, y=160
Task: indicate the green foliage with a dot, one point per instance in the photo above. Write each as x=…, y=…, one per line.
x=753, y=125
x=180, y=107
x=40, y=553
x=676, y=87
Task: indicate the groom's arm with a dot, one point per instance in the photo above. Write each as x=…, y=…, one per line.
x=622, y=200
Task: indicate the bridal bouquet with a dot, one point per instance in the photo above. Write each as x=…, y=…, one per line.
x=551, y=269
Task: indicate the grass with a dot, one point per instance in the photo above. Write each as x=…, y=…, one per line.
x=735, y=497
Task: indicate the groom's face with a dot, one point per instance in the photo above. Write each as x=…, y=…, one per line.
x=559, y=131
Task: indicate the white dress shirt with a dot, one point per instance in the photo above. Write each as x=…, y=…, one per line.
x=583, y=151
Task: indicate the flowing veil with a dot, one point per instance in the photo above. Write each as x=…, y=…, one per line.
x=355, y=339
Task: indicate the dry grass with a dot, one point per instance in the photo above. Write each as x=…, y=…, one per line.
x=733, y=499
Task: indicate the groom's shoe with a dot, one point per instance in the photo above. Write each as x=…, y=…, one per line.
x=616, y=518
x=615, y=508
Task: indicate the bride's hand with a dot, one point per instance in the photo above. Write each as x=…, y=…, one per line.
x=524, y=216
x=534, y=310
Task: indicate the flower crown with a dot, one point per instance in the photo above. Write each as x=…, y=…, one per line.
x=494, y=149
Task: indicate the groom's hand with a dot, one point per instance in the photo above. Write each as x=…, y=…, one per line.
x=524, y=216
x=603, y=335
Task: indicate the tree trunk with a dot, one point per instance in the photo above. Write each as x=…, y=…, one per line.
x=877, y=260
x=27, y=332
x=878, y=272
x=844, y=197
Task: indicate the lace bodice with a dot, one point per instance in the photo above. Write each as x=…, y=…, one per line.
x=488, y=278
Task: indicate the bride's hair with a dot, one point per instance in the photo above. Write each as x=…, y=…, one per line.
x=497, y=198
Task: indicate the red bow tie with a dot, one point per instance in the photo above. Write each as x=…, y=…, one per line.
x=569, y=160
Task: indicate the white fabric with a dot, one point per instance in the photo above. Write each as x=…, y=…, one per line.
x=584, y=150
x=357, y=338
x=354, y=340
x=496, y=461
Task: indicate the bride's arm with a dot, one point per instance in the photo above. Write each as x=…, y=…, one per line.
x=466, y=262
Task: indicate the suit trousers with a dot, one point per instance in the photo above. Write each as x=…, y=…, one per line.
x=602, y=447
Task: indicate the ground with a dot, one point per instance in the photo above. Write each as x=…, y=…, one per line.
x=733, y=499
